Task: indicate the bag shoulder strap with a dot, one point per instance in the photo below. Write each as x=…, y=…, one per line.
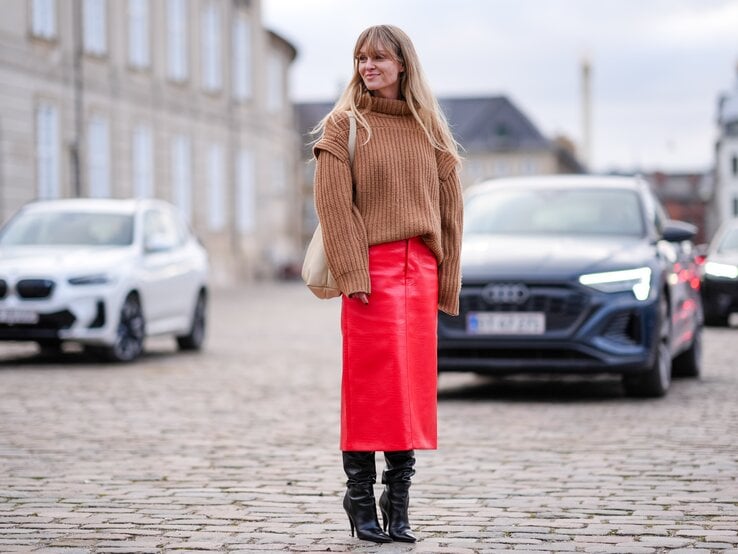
x=351, y=137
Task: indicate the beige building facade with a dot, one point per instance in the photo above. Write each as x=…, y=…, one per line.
x=184, y=100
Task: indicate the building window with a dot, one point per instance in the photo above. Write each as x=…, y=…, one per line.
x=735, y=206
x=182, y=175
x=95, y=34
x=216, y=189
x=473, y=169
x=734, y=162
x=241, y=58
x=275, y=83
x=211, y=59
x=528, y=166
x=177, y=39
x=47, y=151
x=98, y=157
x=279, y=175
x=143, y=162
x=501, y=168
x=309, y=171
x=139, y=47
x=43, y=18
x=245, y=192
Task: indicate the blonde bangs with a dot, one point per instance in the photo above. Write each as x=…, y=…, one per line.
x=376, y=40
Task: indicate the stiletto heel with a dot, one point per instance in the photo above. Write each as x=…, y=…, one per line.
x=351, y=523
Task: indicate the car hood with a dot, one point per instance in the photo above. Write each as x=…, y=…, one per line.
x=45, y=260
x=542, y=257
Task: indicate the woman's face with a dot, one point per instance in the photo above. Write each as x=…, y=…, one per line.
x=380, y=71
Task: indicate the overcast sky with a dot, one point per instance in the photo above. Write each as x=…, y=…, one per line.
x=658, y=66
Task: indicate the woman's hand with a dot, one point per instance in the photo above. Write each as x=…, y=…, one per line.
x=364, y=297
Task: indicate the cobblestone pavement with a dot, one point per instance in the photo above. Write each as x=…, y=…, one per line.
x=235, y=450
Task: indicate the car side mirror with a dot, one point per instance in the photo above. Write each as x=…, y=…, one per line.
x=157, y=243
x=678, y=231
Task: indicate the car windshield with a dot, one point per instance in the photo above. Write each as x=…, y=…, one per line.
x=54, y=228
x=510, y=211
x=729, y=242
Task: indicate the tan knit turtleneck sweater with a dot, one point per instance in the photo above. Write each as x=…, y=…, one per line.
x=404, y=188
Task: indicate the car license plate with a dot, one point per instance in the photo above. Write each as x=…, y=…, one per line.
x=506, y=323
x=12, y=316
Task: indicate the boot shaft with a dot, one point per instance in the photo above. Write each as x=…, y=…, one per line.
x=360, y=468
x=399, y=467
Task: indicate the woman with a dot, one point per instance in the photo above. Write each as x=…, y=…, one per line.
x=392, y=230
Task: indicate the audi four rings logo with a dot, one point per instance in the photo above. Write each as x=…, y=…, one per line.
x=505, y=294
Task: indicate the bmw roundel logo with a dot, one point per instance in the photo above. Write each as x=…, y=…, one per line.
x=505, y=293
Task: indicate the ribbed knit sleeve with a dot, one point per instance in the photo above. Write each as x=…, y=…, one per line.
x=344, y=233
x=449, y=271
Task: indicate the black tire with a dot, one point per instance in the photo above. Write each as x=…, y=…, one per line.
x=656, y=381
x=129, y=336
x=194, y=339
x=689, y=362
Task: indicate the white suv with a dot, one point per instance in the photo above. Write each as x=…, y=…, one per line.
x=103, y=273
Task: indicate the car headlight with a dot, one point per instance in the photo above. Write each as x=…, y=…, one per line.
x=716, y=269
x=637, y=280
x=92, y=279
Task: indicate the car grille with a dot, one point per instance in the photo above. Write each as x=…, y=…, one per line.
x=34, y=288
x=562, y=306
x=3, y=288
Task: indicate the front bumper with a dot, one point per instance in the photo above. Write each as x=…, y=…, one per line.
x=82, y=313
x=586, y=332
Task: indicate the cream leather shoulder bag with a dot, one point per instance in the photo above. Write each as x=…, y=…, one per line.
x=315, y=271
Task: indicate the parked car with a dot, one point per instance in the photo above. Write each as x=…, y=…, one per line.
x=102, y=273
x=575, y=274
x=720, y=275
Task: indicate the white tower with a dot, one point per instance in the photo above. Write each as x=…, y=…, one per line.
x=726, y=163
x=586, y=144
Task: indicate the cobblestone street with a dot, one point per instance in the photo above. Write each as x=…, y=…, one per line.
x=236, y=450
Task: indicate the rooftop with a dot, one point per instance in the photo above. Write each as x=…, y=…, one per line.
x=483, y=124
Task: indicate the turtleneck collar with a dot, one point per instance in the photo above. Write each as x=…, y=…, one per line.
x=389, y=107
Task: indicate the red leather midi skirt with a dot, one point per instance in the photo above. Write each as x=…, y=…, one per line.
x=389, y=385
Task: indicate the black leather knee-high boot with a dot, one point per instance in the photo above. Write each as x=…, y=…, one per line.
x=359, y=500
x=395, y=499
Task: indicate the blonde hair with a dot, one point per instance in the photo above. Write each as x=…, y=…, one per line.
x=414, y=88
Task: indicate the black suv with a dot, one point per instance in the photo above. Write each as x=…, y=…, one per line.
x=575, y=274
